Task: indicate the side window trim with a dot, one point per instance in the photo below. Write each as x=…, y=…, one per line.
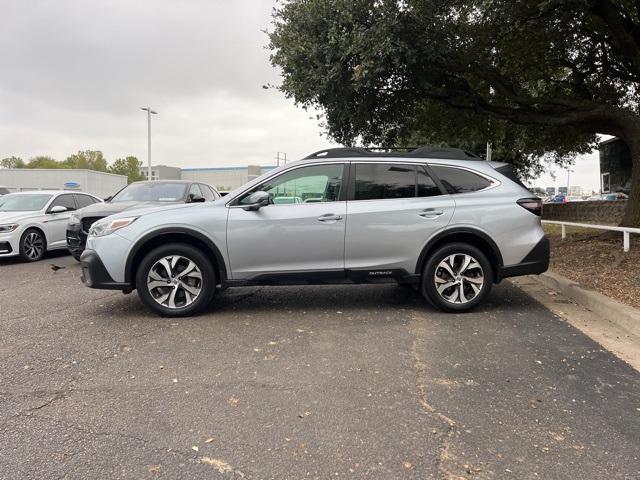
x=434, y=177
x=341, y=194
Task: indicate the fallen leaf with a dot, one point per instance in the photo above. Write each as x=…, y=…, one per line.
x=209, y=440
x=220, y=465
x=154, y=469
x=195, y=448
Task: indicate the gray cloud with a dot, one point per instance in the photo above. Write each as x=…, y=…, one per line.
x=76, y=72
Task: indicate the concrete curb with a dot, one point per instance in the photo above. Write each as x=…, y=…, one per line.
x=624, y=316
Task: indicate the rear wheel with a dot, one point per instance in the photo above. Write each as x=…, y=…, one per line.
x=32, y=245
x=176, y=280
x=457, y=277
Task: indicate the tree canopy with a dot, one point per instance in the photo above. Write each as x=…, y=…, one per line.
x=535, y=77
x=129, y=166
x=84, y=159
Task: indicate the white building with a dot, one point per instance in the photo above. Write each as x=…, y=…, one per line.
x=224, y=178
x=161, y=172
x=100, y=184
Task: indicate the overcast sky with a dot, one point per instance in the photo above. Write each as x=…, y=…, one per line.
x=75, y=74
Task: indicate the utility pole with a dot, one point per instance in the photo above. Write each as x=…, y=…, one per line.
x=279, y=158
x=149, y=113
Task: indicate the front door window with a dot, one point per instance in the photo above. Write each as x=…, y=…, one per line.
x=313, y=184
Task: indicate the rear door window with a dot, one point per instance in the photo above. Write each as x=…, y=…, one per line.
x=376, y=181
x=457, y=180
x=85, y=200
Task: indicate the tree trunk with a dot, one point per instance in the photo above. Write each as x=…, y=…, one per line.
x=632, y=210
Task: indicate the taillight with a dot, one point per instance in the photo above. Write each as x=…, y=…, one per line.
x=534, y=205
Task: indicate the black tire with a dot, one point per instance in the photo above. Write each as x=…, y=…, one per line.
x=430, y=288
x=33, y=245
x=206, y=285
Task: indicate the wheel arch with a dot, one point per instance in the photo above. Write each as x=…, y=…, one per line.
x=173, y=235
x=40, y=230
x=472, y=236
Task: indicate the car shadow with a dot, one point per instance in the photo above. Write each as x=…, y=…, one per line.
x=48, y=256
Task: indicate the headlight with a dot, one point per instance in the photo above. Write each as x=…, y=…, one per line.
x=8, y=228
x=108, y=226
x=73, y=219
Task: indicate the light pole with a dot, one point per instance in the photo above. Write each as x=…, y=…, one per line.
x=149, y=112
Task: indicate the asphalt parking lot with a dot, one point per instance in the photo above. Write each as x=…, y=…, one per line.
x=314, y=382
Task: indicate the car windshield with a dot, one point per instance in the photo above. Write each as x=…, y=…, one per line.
x=16, y=202
x=151, y=192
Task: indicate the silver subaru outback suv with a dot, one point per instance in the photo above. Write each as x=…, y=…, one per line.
x=447, y=222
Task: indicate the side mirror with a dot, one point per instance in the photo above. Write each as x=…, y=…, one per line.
x=58, y=209
x=195, y=198
x=257, y=200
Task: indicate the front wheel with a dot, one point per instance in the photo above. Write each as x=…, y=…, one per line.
x=32, y=245
x=176, y=280
x=457, y=277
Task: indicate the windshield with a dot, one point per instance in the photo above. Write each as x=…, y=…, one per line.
x=151, y=192
x=15, y=202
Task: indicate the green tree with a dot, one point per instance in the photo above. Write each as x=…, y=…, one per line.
x=537, y=77
x=43, y=161
x=12, y=162
x=87, y=159
x=129, y=166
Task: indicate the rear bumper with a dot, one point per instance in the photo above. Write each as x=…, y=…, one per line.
x=535, y=263
x=95, y=275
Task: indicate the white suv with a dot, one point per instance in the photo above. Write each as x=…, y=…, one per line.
x=443, y=220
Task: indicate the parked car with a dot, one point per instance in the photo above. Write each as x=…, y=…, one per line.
x=608, y=197
x=449, y=223
x=559, y=199
x=133, y=196
x=34, y=222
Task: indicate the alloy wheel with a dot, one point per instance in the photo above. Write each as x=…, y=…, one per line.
x=174, y=281
x=33, y=245
x=459, y=278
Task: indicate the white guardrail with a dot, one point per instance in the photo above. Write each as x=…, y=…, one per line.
x=626, y=231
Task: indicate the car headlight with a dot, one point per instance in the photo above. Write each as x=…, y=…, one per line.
x=8, y=227
x=73, y=219
x=108, y=226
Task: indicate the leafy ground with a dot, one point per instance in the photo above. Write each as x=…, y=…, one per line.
x=596, y=260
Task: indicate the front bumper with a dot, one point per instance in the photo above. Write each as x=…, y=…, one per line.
x=95, y=275
x=535, y=263
x=10, y=244
x=76, y=239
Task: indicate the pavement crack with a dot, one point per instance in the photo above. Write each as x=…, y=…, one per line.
x=420, y=369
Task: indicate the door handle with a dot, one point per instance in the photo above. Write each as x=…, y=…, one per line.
x=329, y=217
x=431, y=213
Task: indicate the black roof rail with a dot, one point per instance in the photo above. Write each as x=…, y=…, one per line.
x=410, y=152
